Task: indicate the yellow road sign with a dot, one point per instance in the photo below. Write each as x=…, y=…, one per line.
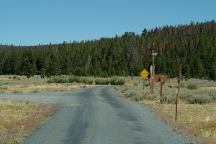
x=144, y=73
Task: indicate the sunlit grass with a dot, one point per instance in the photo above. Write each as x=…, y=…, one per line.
x=18, y=118
x=197, y=108
x=12, y=113
x=199, y=118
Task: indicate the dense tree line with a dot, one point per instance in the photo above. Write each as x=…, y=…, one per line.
x=193, y=45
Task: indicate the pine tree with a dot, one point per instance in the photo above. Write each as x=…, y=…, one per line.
x=28, y=63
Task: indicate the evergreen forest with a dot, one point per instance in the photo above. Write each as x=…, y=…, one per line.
x=193, y=45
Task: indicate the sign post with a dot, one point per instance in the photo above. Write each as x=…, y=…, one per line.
x=153, y=71
x=178, y=89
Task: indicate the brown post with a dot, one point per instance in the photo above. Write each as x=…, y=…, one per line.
x=178, y=89
x=161, y=89
x=176, y=112
x=152, y=80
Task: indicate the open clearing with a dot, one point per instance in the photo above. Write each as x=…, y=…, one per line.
x=98, y=116
x=196, y=109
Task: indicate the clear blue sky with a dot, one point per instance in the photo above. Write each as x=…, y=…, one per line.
x=30, y=22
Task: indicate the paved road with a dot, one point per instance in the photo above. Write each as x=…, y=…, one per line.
x=98, y=116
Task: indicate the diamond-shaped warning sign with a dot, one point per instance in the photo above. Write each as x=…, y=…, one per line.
x=144, y=73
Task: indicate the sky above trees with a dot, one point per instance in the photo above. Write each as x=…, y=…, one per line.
x=32, y=22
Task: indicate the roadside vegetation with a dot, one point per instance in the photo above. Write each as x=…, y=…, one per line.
x=36, y=84
x=17, y=119
x=197, y=106
x=87, y=80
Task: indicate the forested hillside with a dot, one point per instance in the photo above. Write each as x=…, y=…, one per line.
x=193, y=45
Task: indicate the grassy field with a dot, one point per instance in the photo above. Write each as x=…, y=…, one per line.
x=87, y=80
x=18, y=118
x=197, y=106
x=21, y=84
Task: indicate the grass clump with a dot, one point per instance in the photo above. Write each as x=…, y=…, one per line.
x=58, y=79
x=86, y=80
x=116, y=81
x=102, y=81
x=70, y=79
x=73, y=79
x=167, y=99
x=192, y=86
x=16, y=77
x=111, y=81
x=199, y=97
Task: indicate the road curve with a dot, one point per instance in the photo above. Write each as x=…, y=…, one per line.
x=98, y=116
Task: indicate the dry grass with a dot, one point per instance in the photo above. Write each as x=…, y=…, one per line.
x=20, y=84
x=18, y=118
x=199, y=120
x=32, y=88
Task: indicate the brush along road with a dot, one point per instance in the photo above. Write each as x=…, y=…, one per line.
x=98, y=116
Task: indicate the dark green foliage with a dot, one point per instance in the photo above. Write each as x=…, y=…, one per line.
x=16, y=77
x=117, y=81
x=168, y=99
x=102, y=81
x=193, y=45
x=192, y=86
x=107, y=81
x=86, y=80
x=198, y=99
x=28, y=63
x=72, y=79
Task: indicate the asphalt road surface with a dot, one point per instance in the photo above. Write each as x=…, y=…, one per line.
x=98, y=116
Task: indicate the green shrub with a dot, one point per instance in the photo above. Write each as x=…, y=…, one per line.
x=168, y=99
x=192, y=86
x=198, y=99
x=213, y=96
x=72, y=79
x=182, y=85
x=116, y=81
x=102, y=81
x=130, y=94
x=138, y=98
x=16, y=78
x=87, y=81
x=98, y=81
x=58, y=79
x=51, y=80
x=61, y=80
